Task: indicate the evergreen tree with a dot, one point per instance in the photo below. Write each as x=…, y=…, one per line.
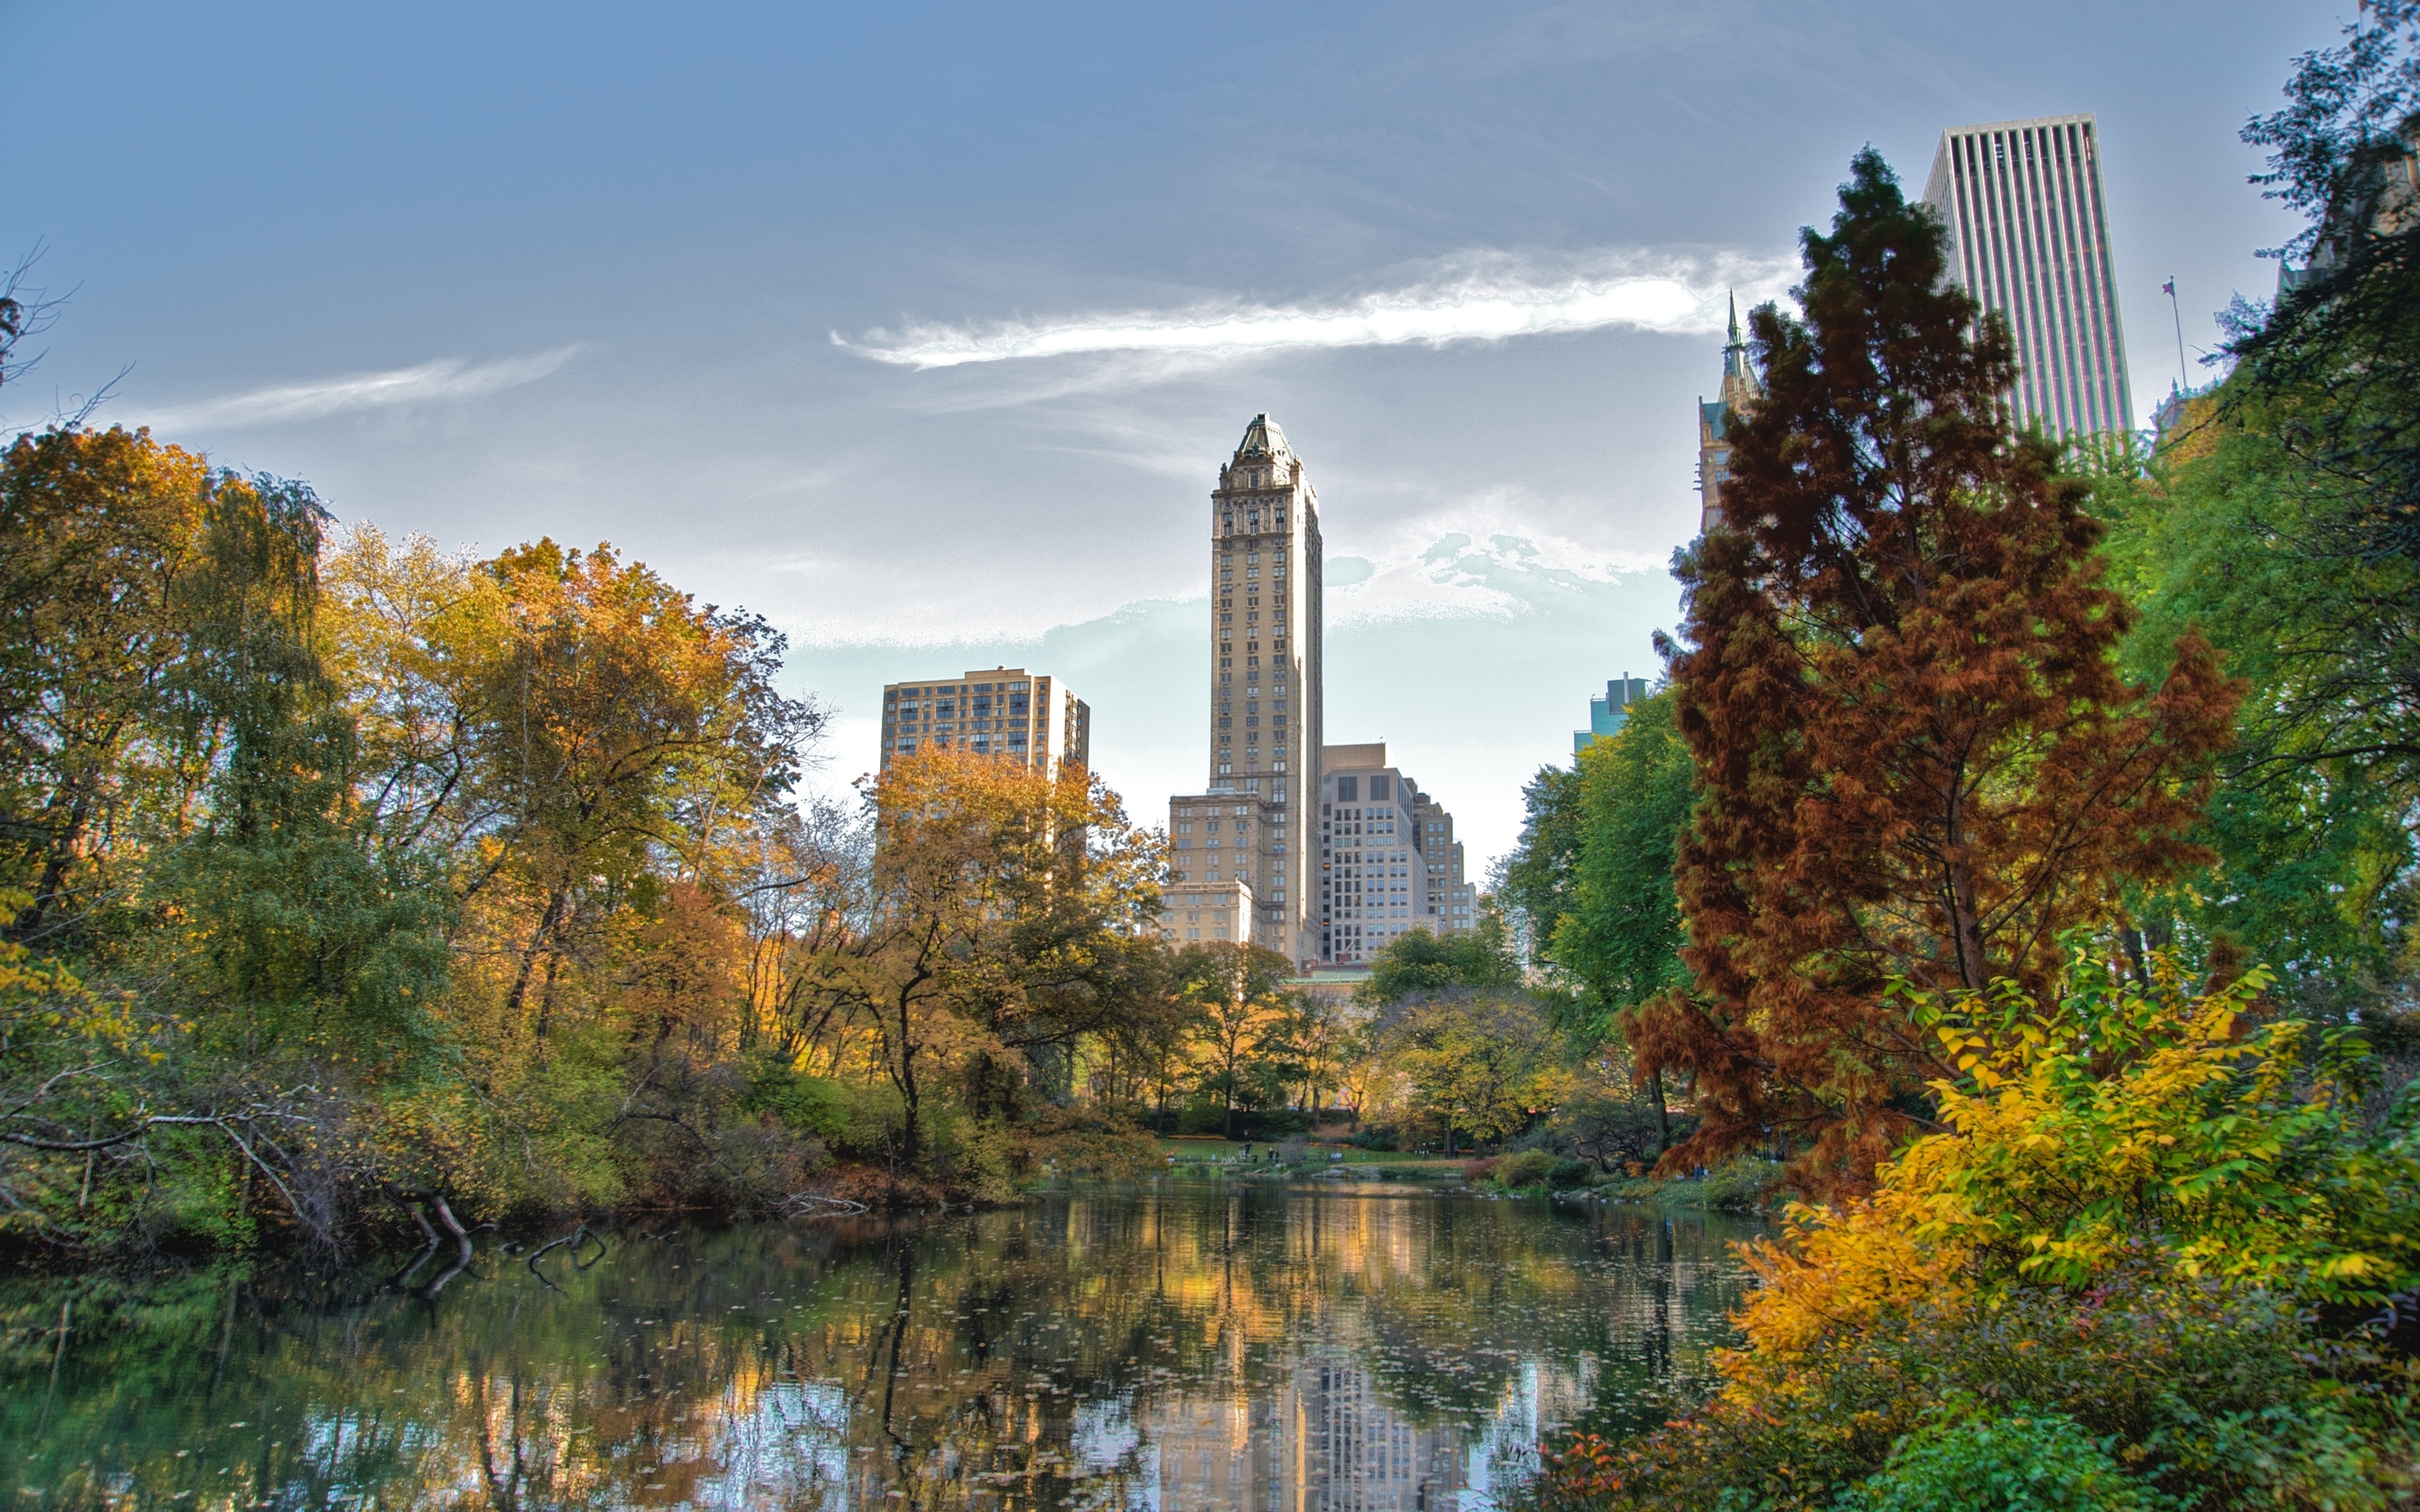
x=1915, y=754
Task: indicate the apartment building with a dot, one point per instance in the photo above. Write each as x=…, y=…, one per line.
x=1452, y=898
x=1006, y=712
x=1389, y=862
x=1220, y=848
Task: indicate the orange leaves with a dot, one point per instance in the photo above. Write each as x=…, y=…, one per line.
x=1914, y=752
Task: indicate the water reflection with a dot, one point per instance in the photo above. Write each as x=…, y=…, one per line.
x=1191, y=1349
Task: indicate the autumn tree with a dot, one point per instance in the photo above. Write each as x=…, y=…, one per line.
x=99, y=531
x=1485, y=1064
x=1915, y=753
x=609, y=714
x=1239, y=1016
x=1001, y=914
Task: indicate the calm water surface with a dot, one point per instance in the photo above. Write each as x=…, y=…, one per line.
x=1189, y=1348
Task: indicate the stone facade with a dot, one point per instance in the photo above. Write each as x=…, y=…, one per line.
x=1252, y=855
x=1389, y=862
x=1265, y=690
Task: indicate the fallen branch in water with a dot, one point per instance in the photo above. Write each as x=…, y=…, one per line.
x=816, y=1205
x=573, y=1239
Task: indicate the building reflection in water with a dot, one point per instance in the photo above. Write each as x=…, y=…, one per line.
x=1178, y=1351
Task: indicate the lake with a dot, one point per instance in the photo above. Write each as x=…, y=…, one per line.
x=1309, y=1347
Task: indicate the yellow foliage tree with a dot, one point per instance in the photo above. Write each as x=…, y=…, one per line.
x=1002, y=915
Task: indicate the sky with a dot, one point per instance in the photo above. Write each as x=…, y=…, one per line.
x=924, y=330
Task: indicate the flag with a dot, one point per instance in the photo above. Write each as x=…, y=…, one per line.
x=2168, y=288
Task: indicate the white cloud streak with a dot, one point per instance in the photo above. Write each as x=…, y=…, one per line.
x=447, y=378
x=1496, y=298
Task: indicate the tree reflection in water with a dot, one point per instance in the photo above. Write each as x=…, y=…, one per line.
x=1184, y=1348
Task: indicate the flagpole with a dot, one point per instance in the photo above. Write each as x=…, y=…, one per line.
x=2184, y=376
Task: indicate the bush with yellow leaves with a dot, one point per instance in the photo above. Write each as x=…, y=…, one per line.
x=2188, y=1232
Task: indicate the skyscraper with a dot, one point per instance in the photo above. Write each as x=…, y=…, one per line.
x=1740, y=390
x=1240, y=850
x=2029, y=239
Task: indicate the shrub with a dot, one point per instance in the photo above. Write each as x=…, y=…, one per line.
x=855, y=1119
x=1382, y=1140
x=1741, y=1185
x=1280, y=1121
x=2135, y=1219
x=2197, y=1388
x=2037, y=1463
x=1525, y=1168
x=1479, y=1171
x=1564, y=1174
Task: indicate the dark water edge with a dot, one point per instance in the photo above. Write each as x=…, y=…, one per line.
x=1246, y=1346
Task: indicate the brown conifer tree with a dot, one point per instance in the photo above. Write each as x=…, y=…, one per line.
x=1915, y=756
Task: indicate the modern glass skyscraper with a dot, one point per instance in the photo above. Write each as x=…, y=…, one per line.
x=2030, y=239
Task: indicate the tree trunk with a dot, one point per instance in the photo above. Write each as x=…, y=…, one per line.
x=912, y=1129
x=539, y=941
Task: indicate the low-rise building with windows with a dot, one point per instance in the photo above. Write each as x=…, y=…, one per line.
x=1006, y=712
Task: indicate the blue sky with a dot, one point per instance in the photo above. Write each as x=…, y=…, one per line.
x=890, y=321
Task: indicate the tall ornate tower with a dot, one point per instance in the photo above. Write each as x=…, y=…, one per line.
x=1741, y=391
x=1264, y=717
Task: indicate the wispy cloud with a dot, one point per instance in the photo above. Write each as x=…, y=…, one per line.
x=447, y=378
x=1487, y=297
x=1487, y=556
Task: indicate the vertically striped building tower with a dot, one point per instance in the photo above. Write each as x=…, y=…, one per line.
x=2030, y=240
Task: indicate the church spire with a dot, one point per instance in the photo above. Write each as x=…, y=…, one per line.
x=1735, y=353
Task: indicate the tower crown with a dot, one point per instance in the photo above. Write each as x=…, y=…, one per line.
x=1262, y=442
x=1735, y=353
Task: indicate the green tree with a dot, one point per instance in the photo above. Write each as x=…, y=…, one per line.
x=1534, y=884
x=1619, y=941
x=2313, y=853
x=2331, y=371
x=1418, y=961
x=1620, y=938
